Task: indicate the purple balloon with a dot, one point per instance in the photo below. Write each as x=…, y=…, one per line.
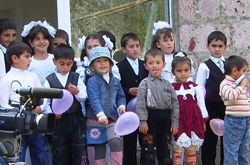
x=61, y=105
x=127, y=123
x=132, y=105
x=217, y=126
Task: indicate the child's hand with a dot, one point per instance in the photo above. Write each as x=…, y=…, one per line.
x=205, y=127
x=104, y=121
x=244, y=82
x=73, y=89
x=58, y=116
x=174, y=130
x=122, y=110
x=37, y=110
x=133, y=91
x=143, y=129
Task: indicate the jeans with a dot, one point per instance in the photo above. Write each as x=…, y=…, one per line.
x=37, y=146
x=236, y=140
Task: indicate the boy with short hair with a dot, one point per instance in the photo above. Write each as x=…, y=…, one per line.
x=132, y=73
x=210, y=74
x=68, y=141
x=237, y=119
x=18, y=55
x=7, y=35
x=158, y=111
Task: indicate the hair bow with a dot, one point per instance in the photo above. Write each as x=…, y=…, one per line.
x=81, y=44
x=108, y=44
x=180, y=54
x=160, y=25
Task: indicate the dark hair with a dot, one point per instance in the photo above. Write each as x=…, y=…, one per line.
x=128, y=36
x=64, y=51
x=167, y=33
x=16, y=48
x=92, y=36
x=154, y=53
x=110, y=36
x=217, y=35
x=180, y=60
x=234, y=61
x=34, y=32
x=5, y=24
x=62, y=34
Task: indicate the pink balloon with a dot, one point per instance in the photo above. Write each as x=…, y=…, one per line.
x=127, y=123
x=132, y=105
x=217, y=126
x=204, y=89
x=61, y=105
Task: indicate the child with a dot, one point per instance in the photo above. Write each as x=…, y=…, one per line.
x=38, y=35
x=7, y=35
x=132, y=73
x=158, y=110
x=62, y=37
x=237, y=118
x=210, y=74
x=164, y=40
x=19, y=56
x=107, y=101
x=193, y=113
x=68, y=141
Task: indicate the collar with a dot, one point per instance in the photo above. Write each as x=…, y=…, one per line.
x=3, y=48
x=215, y=60
x=131, y=62
x=230, y=78
x=17, y=70
x=153, y=78
x=186, y=85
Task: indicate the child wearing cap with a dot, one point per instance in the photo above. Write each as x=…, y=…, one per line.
x=107, y=101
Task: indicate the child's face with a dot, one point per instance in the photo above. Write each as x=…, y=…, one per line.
x=216, y=48
x=237, y=73
x=132, y=49
x=166, y=44
x=58, y=41
x=182, y=72
x=154, y=65
x=90, y=44
x=40, y=44
x=21, y=62
x=101, y=65
x=63, y=65
x=7, y=37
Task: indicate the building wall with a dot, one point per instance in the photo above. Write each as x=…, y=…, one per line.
x=194, y=20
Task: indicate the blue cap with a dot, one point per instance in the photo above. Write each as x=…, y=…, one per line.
x=98, y=52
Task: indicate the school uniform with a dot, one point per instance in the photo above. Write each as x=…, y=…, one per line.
x=6, y=63
x=129, y=79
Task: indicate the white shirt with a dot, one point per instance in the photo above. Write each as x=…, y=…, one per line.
x=81, y=96
x=134, y=64
x=42, y=68
x=2, y=65
x=204, y=72
x=3, y=48
x=15, y=79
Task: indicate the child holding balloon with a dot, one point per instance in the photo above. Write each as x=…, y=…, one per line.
x=193, y=113
x=237, y=119
x=158, y=110
x=69, y=140
x=107, y=101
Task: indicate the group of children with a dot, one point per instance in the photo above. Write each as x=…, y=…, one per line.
x=169, y=103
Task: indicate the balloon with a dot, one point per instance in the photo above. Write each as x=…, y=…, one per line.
x=204, y=89
x=132, y=105
x=127, y=123
x=217, y=126
x=61, y=105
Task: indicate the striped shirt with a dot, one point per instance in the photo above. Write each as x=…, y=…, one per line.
x=236, y=99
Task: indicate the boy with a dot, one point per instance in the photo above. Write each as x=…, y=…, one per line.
x=68, y=141
x=237, y=118
x=132, y=73
x=158, y=110
x=18, y=55
x=210, y=74
x=7, y=35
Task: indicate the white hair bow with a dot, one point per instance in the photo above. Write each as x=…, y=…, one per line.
x=180, y=54
x=160, y=25
x=28, y=27
x=108, y=44
x=82, y=42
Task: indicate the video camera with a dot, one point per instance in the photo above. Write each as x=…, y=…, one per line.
x=22, y=120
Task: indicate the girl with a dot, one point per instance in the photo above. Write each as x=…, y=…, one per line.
x=164, y=40
x=193, y=113
x=38, y=36
x=106, y=96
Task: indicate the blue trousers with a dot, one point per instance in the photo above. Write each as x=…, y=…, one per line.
x=236, y=140
x=37, y=144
